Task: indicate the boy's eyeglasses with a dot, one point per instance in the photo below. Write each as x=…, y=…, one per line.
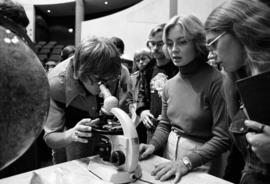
x=212, y=44
x=106, y=81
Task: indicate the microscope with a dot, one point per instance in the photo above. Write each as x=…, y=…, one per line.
x=118, y=143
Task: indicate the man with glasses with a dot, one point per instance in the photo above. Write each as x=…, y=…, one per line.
x=154, y=79
x=75, y=101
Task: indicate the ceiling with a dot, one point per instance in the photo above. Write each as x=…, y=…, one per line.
x=92, y=8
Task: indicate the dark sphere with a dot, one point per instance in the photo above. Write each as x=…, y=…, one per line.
x=24, y=97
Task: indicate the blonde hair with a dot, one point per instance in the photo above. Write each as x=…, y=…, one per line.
x=141, y=52
x=194, y=29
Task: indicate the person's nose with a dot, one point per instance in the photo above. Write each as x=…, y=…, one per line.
x=212, y=55
x=141, y=61
x=155, y=47
x=175, y=48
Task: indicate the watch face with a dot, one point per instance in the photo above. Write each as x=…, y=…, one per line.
x=187, y=163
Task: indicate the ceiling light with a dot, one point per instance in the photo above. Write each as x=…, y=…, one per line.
x=106, y=2
x=70, y=30
x=49, y=11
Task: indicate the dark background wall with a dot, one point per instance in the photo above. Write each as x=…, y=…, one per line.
x=54, y=28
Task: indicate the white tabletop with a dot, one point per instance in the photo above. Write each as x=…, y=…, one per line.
x=76, y=171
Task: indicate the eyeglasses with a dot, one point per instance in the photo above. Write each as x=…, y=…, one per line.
x=212, y=45
x=152, y=44
x=106, y=81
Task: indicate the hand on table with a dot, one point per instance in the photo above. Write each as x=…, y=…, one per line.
x=146, y=150
x=260, y=141
x=170, y=169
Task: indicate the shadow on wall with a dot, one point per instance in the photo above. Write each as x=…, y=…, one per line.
x=42, y=31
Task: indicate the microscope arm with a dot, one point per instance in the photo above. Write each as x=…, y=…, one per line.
x=130, y=132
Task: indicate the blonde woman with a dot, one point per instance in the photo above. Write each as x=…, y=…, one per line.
x=193, y=130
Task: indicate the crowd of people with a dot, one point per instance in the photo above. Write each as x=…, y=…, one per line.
x=179, y=90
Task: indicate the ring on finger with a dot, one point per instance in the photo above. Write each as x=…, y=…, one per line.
x=261, y=128
x=76, y=133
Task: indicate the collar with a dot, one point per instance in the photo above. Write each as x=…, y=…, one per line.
x=191, y=67
x=164, y=63
x=168, y=64
x=73, y=86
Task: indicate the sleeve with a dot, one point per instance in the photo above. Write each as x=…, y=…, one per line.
x=143, y=96
x=163, y=129
x=55, y=121
x=221, y=141
x=131, y=102
x=130, y=98
x=131, y=90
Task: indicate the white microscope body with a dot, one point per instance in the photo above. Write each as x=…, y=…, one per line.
x=122, y=149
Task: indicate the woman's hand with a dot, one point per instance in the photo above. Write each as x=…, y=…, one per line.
x=146, y=117
x=146, y=150
x=167, y=170
x=82, y=130
x=260, y=142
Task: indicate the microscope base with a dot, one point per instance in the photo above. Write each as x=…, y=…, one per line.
x=108, y=172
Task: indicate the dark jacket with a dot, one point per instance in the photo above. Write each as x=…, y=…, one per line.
x=146, y=98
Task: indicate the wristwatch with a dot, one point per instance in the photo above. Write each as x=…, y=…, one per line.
x=187, y=163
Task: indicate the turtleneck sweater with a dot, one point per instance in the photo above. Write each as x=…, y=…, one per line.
x=191, y=68
x=193, y=104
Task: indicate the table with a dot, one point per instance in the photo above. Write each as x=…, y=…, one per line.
x=76, y=172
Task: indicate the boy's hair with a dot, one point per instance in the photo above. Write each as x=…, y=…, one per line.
x=96, y=56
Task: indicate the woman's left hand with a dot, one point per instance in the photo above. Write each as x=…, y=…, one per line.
x=260, y=142
x=167, y=170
